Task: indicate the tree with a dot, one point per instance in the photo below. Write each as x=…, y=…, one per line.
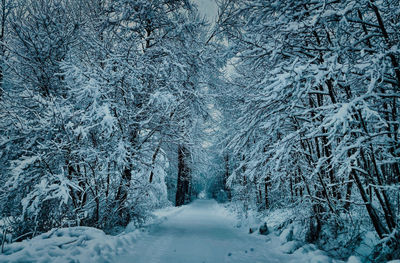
x=100, y=90
x=317, y=114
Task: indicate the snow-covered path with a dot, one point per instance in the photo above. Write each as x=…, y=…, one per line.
x=203, y=232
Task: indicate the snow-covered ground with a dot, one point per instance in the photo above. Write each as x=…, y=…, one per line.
x=203, y=231
x=76, y=244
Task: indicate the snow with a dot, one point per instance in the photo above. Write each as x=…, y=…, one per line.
x=370, y=239
x=208, y=8
x=353, y=259
x=18, y=169
x=76, y=244
x=203, y=231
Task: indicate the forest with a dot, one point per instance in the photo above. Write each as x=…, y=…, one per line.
x=112, y=109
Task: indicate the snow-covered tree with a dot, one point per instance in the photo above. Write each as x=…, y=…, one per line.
x=318, y=120
x=101, y=91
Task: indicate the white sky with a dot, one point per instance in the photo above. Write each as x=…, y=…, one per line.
x=207, y=8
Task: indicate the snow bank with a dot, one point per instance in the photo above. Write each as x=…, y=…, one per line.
x=288, y=237
x=313, y=255
x=76, y=244
x=286, y=224
x=277, y=218
x=79, y=244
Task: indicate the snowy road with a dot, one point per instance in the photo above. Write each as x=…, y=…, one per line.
x=203, y=232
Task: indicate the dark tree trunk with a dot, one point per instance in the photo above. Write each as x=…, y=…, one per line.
x=226, y=176
x=184, y=180
x=379, y=227
x=153, y=161
x=122, y=196
x=266, y=193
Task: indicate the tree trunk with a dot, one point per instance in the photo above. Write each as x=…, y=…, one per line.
x=266, y=193
x=183, y=184
x=226, y=176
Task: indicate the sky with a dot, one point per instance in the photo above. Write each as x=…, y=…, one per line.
x=208, y=8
